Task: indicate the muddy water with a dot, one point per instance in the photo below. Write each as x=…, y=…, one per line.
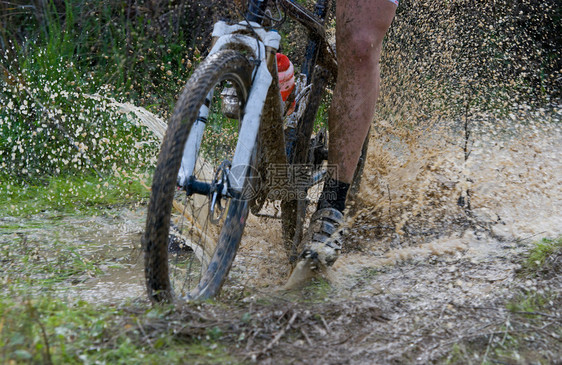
x=115, y=241
x=408, y=216
x=109, y=242
x=429, y=202
x=115, y=285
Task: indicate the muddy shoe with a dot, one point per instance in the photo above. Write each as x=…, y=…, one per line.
x=323, y=238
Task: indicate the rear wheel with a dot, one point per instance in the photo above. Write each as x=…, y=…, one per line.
x=192, y=233
x=311, y=152
x=305, y=161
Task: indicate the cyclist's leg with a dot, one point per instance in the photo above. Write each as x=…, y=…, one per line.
x=360, y=28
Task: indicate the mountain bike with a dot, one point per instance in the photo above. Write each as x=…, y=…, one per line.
x=231, y=145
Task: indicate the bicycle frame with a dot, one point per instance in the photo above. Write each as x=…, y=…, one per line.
x=314, y=22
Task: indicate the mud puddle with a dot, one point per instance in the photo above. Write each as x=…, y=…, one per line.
x=106, y=246
x=116, y=285
x=408, y=215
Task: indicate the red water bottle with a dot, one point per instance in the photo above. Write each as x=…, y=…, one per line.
x=286, y=74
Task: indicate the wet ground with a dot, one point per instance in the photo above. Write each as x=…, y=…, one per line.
x=431, y=264
x=109, y=242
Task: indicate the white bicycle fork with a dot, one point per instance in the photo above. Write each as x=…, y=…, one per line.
x=229, y=38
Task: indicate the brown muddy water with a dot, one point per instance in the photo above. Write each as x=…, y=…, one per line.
x=109, y=242
x=418, y=205
x=410, y=207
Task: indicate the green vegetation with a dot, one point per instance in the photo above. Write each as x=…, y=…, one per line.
x=50, y=249
x=141, y=50
x=51, y=127
x=538, y=257
x=42, y=321
x=71, y=194
x=531, y=312
x=521, y=337
x=56, y=54
x=316, y=291
x=530, y=303
x=29, y=263
x=46, y=330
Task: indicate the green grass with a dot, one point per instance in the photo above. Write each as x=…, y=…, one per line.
x=537, y=258
x=141, y=52
x=42, y=322
x=520, y=339
x=70, y=194
x=45, y=330
x=530, y=312
x=530, y=303
x=316, y=291
x=30, y=263
x=38, y=326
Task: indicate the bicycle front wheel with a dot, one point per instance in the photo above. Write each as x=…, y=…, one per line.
x=192, y=233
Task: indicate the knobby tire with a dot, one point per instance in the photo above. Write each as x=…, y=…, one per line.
x=223, y=65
